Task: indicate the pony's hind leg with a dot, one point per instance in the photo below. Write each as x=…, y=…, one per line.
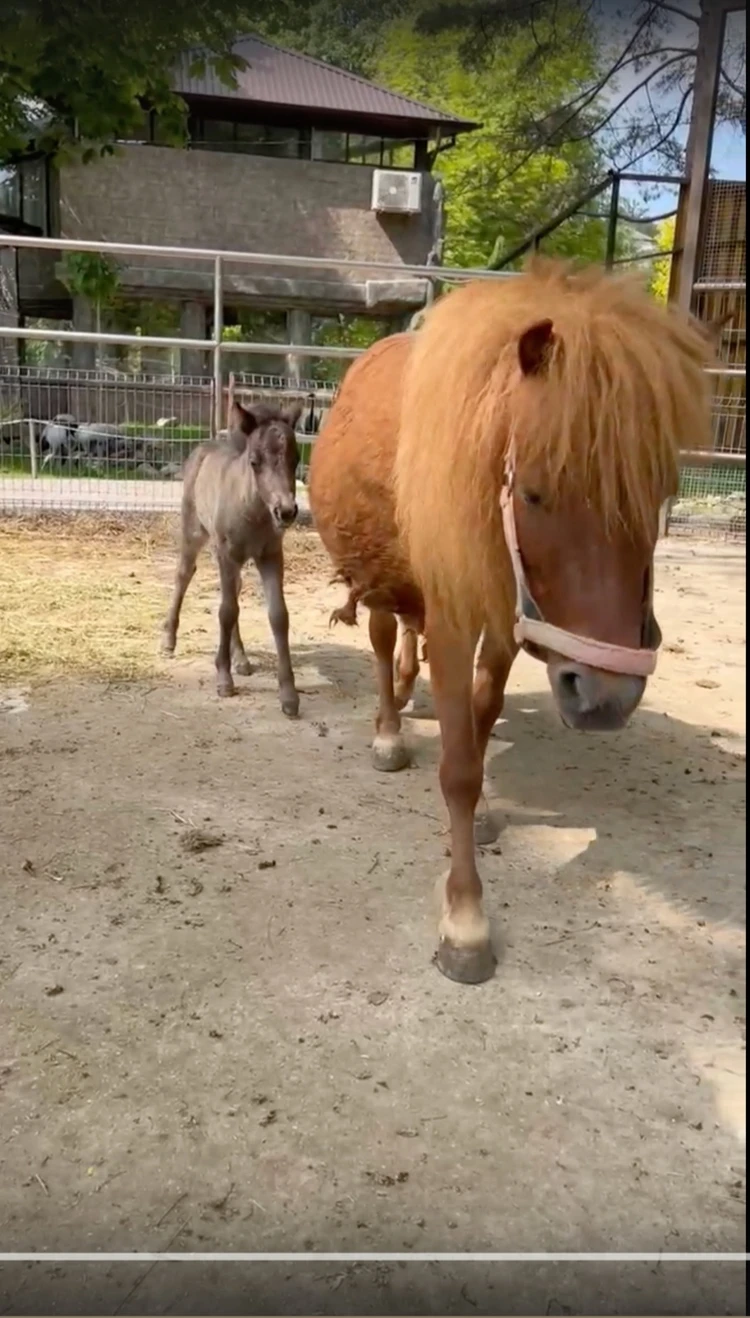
x=240, y=662
x=493, y=667
x=407, y=664
x=389, y=750
x=193, y=540
x=464, y=948
x=229, y=609
x=271, y=569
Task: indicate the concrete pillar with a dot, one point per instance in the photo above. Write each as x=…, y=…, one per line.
x=298, y=330
x=83, y=356
x=193, y=318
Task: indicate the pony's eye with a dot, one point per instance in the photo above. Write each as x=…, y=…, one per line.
x=532, y=497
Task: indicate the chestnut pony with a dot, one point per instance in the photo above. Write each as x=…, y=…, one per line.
x=497, y=476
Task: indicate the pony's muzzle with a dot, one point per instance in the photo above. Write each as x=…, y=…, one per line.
x=286, y=512
x=591, y=700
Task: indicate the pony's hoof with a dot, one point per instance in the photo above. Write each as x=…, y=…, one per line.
x=167, y=646
x=486, y=829
x=390, y=754
x=290, y=706
x=466, y=965
x=226, y=688
x=243, y=668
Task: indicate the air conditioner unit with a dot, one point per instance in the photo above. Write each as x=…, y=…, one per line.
x=396, y=191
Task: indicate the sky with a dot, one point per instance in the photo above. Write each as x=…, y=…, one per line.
x=616, y=20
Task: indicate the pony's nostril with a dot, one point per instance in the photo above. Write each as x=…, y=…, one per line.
x=570, y=683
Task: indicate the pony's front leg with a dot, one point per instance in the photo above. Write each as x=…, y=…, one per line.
x=389, y=750
x=464, y=950
x=494, y=663
x=271, y=569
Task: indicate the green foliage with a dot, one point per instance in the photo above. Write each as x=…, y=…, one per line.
x=77, y=74
x=662, y=267
x=90, y=275
x=499, y=182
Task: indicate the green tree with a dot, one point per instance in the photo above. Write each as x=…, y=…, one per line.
x=73, y=72
x=663, y=265
x=500, y=183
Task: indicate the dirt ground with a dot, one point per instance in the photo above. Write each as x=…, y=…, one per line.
x=221, y=1028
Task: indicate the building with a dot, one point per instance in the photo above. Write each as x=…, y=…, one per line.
x=298, y=158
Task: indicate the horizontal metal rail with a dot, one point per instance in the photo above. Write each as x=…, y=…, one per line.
x=165, y=341
x=720, y=286
x=434, y=272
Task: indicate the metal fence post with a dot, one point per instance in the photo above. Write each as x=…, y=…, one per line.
x=32, y=450
x=218, y=417
x=614, y=209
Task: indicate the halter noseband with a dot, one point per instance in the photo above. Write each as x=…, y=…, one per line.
x=531, y=630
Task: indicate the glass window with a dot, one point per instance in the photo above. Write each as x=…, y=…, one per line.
x=364, y=150
x=34, y=193
x=219, y=132
x=398, y=155
x=263, y=140
x=329, y=146
x=10, y=193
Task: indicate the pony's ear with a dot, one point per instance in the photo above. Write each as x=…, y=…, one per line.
x=534, y=347
x=243, y=419
x=292, y=414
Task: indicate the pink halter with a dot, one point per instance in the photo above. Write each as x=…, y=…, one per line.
x=531, y=630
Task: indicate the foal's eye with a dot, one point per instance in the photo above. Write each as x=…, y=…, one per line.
x=532, y=497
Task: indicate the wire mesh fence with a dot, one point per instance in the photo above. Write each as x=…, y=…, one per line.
x=105, y=439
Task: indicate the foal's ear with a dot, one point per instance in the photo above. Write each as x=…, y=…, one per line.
x=292, y=414
x=243, y=419
x=535, y=346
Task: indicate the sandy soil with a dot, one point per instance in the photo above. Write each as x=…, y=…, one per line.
x=246, y=1047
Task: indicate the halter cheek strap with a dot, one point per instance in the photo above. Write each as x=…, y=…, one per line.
x=532, y=631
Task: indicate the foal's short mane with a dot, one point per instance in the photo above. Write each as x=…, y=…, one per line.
x=624, y=389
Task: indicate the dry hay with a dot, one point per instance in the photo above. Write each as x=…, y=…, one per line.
x=84, y=595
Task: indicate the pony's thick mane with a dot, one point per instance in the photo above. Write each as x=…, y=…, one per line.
x=625, y=388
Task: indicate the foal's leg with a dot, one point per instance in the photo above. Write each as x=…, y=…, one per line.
x=229, y=610
x=493, y=667
x=389, y=751
x=240, y=662
x=464, y=949
x=407, y=664
x=193, y=540
x=271, y=569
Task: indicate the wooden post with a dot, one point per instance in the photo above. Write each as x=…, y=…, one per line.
x=698, y=150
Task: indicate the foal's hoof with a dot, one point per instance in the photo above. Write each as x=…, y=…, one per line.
x=390, y=754
x=486, y=829
x=166, y=645
x=466, y=965
x=243, y=668
x=290, y=706
x=225, y=687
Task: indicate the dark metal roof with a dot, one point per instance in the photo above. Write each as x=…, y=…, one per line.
x=273, y=76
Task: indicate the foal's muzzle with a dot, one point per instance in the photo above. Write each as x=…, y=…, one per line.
x=286, y=513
